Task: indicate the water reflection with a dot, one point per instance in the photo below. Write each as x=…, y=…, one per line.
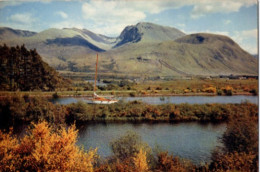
x=194, y=141
x=172, y=99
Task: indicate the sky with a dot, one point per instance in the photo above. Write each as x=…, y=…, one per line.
x=237, y=19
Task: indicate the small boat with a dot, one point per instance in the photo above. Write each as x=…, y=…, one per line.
x=100, y=99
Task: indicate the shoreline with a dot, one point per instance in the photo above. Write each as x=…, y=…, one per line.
x=118, y=94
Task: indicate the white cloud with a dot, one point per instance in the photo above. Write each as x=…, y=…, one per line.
x=247, y=39
x=67, y=24
x=226, y=22
x=110, y=16
x=126, y=12
x=181, y=25
x=62, y=14
x=22, y=18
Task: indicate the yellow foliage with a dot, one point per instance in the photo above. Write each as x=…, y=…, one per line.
x=210, y=89
x=143, y=92
x=8, y=157
x=186, y=90
x=226, y=88
x=140, y=161
x=45, y=150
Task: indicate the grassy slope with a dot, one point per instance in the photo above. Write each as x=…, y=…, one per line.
x=219, y=56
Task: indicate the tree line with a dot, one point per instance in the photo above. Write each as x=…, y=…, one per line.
x=24, y=70
x=39, y=108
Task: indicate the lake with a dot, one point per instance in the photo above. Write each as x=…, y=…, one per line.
x=194, y=141
x=172, y=99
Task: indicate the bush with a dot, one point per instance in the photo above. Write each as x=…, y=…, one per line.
x=254, y=91
x=234, y=162
x=45, y=149
x=241, y=135
x=55, y=95
x=128, y=146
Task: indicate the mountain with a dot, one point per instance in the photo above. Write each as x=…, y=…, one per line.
x=196, y=54
x=148, y=32
x=144, y=49
x=8, y=33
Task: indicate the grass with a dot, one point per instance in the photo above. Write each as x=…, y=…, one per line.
x=158, y=88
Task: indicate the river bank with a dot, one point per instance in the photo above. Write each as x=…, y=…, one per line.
x=108, y=93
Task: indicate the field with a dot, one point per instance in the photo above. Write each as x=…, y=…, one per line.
x=178, y=87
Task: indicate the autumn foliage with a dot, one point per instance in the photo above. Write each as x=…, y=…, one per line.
x=44, y=149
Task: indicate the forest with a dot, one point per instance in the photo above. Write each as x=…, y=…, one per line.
x=24, y=70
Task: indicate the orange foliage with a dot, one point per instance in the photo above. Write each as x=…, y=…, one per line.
x=169, y=163
x=186, y=90
x=140, y=162
x=235, y=162
x=8, y=156
x=45, y=150
x=210, y=89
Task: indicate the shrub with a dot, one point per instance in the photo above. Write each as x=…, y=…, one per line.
x=169, y=163
x=254, y=91
x=132, y=94
x=128, y=146
x=45, y=149
x=55, y=95
x=210, y=89
x=241, y=135
x=140, y=162
x=234, y=162
x=228, y=90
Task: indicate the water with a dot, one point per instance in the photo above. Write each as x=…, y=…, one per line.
x=193, y=141
x=173, y=99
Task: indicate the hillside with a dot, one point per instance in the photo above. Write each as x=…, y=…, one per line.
x=8, y=33
x=216, y=55
x=141, y=49
x=24, y=70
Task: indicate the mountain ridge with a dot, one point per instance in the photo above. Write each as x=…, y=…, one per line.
x=144, y=48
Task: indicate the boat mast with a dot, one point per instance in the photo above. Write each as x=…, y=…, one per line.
x=96, y=75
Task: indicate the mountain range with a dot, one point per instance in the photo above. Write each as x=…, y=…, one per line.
x=144, y=49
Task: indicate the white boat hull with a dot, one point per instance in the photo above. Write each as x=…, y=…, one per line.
x=102, y=102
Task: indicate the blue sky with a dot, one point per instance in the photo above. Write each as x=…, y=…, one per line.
x=234, y=18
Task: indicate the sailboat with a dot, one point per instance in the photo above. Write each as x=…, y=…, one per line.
x=100, y=99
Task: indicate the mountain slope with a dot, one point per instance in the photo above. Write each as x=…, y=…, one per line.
x=147, y=32
x=8, y=33
x=197, y=54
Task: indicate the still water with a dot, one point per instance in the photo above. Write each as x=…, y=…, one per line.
x=194, y=141
x=173, y=99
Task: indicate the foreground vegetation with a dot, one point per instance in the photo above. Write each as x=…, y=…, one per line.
x=38, y=108
x=51, y=145
x=50, y=148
